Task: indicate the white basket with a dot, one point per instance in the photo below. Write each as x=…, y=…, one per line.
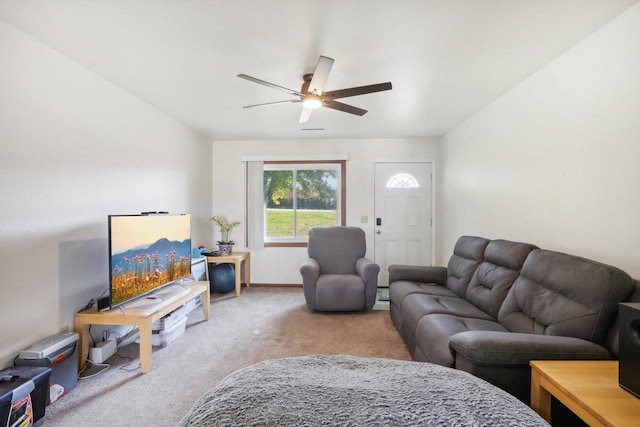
x=166, y=337
x=168, y=321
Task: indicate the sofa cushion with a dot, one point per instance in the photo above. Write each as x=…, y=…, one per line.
x=496, y=274
x=416, y=306
x=337, y=249
x=560, y=294
x=435, y=330
x=340, y=292
x=467, y=256
x=399, y=290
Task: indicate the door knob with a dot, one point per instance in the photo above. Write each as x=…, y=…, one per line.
x=378, y=232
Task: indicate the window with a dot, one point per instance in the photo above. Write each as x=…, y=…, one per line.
x=298, y=196
x=402, y=180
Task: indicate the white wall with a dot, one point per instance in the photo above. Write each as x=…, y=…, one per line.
x=556, y=161
x=74, y=149
x=281, y=265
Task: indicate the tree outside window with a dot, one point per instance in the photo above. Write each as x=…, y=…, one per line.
x=299, y=196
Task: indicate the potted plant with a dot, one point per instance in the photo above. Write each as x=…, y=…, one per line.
x=225, y=245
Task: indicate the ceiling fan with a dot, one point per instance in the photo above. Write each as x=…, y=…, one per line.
x=312, y=95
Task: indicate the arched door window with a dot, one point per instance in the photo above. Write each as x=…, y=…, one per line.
x=402, y=180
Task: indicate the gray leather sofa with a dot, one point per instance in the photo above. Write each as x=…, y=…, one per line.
x=500, y=304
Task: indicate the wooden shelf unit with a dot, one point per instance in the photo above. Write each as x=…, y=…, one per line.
x=141, y=313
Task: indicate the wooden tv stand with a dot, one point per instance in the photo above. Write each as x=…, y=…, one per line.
x=141, y=313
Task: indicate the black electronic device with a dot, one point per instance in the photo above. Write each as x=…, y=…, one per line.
x=629, y=352
x=103, y=303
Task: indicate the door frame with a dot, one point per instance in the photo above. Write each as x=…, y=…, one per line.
x=433, y=201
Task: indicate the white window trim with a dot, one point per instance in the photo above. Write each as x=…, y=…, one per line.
x=256, y=227
x=295, y=158
x=299, y=166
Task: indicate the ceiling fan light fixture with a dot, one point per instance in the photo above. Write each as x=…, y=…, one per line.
x=312, y=102
x=313, y=96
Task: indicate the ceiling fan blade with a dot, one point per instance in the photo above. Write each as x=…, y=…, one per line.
x=320, y=75
x=344, y=107
x=271, y=85
x=360, y=90
x=266, y=104
x=304, y=116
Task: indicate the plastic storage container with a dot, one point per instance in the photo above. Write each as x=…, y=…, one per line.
x=169, y=320
x=16, y=408
x=6, y=396
x=60, y=353
x=18, y=383
x=163, y=338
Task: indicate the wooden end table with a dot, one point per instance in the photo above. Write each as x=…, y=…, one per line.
x=589, y=388
x=239, y=259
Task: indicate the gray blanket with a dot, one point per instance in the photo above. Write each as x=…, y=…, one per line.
x=346, y=390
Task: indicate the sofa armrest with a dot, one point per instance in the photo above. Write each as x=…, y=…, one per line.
x=490, y=348
x=416, y=273
x=368, y=270
x=310, y=271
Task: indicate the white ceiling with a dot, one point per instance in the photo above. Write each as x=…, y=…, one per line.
x=446, y=59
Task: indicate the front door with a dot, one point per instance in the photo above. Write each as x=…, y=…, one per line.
x=403, y=218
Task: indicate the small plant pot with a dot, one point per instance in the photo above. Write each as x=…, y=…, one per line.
x=225, y=249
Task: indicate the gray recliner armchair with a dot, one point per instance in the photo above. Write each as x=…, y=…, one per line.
x=337, y=276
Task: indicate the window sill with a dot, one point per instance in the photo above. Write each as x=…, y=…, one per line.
x=285, y=244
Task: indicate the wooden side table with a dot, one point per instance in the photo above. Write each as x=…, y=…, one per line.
x=239, y=260
x=589, y=388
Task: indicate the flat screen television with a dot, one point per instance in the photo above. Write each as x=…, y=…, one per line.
x=147, y=252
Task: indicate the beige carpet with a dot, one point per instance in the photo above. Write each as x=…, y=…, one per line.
x=263, y=323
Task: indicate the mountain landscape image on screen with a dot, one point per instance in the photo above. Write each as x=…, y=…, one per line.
x=140, y=270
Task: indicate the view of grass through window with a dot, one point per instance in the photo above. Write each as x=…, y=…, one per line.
x=280, y=221
x=298, y=199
